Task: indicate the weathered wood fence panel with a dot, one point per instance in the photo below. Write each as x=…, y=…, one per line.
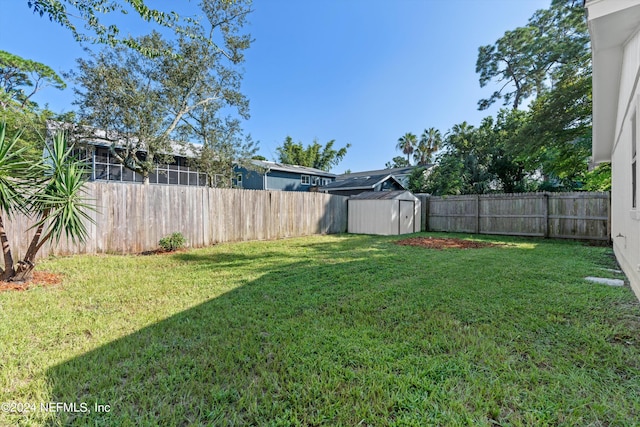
x=578, y=215
x=132, y=218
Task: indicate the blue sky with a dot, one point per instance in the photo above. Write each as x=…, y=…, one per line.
x=362, y=72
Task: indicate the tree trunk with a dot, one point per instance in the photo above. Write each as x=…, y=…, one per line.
x=24, y=272
x=6, y=251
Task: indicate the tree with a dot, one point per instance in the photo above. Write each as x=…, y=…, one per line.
x=22, y=78
x=406, y=144
x=222, y=148
x=144, y=103
x=527, y=61
x=556, y=138
x=91, y=14
x=430, y=142
x=397, y=162
x=51, y=191
x=313, y=156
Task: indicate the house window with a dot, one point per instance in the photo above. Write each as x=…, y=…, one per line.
x=634, y=163
x=326, y=181
x=316, y=180
x=305, y=179
x=239, y=180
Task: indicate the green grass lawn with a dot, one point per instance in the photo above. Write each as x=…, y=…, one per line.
x=326, y=330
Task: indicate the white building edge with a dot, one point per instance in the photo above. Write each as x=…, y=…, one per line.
x=614, y=26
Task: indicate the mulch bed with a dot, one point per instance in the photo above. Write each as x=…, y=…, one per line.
x=40, y=278
x=442, y=243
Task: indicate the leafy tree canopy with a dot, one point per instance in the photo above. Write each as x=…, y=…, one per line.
x=143, y=103
x=313, y=156
x=21, y=79
x=88, y=20
x=529, y=60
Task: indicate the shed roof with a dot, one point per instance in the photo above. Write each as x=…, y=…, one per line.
x=384, y=195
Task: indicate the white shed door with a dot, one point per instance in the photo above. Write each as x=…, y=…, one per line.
x=406, y=217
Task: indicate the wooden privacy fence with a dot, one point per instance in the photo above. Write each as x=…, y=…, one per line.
x=578, y=215
x=132, y=218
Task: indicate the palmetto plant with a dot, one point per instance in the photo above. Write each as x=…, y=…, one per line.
x=48, y=191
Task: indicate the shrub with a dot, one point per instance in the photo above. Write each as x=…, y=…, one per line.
x=172, y=242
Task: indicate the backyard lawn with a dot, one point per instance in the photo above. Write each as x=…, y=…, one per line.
x=325, y=330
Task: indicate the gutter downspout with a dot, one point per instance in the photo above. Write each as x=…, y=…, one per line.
x=264, y=179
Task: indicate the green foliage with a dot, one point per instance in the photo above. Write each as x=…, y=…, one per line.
x=22, y=78
x=598, y=179
x=13, y=190
x=92, y=13
x=49, y=191
x=529, y=60
x=546, y=147
x=397, y=162
x=407, y=144
x=173, y=242
x=313, y=156
x=144, y=103
x=430, y=142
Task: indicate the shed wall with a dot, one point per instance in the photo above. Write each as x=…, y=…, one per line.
x=384, y=217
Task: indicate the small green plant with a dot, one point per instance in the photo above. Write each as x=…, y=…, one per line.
x=172, y=242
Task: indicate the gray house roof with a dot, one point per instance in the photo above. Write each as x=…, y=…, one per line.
x=291, y=168
x=400, y=174
x=359, y=182
x=395, y=171
x=88, y=135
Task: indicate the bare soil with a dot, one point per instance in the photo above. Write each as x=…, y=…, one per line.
x=40, y=278
x=443, y=243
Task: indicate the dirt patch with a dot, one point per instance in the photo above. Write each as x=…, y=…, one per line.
x=40, y=278
x=442, y=243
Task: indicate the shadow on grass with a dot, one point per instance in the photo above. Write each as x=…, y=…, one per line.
x=315, y=343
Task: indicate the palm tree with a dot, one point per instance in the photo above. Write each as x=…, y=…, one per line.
x=50, y=191
x=429, y=143
x=407, y=144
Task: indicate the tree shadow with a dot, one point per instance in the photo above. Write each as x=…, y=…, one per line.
x=344, y=332
x=217, y=362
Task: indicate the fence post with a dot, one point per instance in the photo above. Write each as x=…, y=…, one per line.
x=477, y=214
x=546, y=214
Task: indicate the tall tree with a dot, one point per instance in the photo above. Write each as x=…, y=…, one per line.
x=143, y=103
x=21, y=79
x=527, y=61
x=430, y=142
x=407, y=144
x=313, y=156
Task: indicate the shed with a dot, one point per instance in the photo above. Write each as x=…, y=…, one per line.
x=384, y=212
